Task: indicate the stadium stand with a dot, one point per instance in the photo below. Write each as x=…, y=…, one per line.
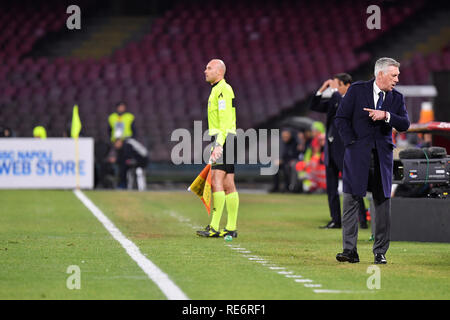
x=22, y=25
x=277, y=53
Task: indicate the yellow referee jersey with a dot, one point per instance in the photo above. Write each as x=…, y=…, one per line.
x=221, y=112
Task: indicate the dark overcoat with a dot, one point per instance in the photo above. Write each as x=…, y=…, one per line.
x=361, y=134
x=334, y=150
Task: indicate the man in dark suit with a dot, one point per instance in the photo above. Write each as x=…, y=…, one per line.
x=334, y=147
x=365, y=119
x=288, y=159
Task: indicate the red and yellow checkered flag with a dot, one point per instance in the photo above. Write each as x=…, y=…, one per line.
x=202, y=187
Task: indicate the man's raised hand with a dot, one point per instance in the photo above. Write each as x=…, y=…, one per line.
x=376, y=114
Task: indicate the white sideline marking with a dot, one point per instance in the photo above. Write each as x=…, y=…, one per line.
x=340, y=291
x=162, y=280
x=303, y=280
x=286, y=272
x=307, y=283
x=327, y=291
x=310, y=285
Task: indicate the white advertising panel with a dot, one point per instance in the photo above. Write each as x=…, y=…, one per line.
x=31, y=163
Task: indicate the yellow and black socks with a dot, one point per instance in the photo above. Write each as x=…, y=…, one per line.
x=232, y=202
x=218, y=204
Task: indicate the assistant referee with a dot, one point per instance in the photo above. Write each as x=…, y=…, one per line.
x=222, y=126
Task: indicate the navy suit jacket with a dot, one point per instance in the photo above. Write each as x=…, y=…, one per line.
x=361, y=134
x=333, y=150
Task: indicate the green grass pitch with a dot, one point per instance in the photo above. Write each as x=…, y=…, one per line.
x=42, y=233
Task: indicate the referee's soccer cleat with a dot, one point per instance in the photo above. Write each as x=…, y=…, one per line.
x=209, y=232
x=226, y=232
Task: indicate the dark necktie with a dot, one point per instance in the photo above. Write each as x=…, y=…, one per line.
x=380, y=100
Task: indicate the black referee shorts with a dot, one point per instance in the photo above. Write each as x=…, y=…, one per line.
x=228, y=159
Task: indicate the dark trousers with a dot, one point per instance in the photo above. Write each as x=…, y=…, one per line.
x=287, y=169
x=332, y=173
x=382, y=207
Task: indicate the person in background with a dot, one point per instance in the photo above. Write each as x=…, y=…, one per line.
x=315, y=167
x=105, y=170
x=121, y=123
x=6, y=132
x=425, y=140
x=301, y=144
x=334, y=147
x=40, y=132
x=288, y=157
x=131, y=158
x=311, y=149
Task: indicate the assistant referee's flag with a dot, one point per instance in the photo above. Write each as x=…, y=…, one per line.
x=75, y=133
x=202, y=187
x=76, y=123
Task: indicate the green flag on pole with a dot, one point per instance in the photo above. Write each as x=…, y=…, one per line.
x=76, y=123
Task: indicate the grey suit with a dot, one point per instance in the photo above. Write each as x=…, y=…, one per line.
x=382, y=212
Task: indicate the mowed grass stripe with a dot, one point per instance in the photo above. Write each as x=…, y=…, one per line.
x=167, y=286
x=44, y=232
x=281, y=228
x=202, y=268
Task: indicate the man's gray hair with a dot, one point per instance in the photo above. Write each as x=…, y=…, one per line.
x=383, y=63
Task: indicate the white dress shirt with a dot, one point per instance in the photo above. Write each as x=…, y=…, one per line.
x=376, y=91
x=327, y=93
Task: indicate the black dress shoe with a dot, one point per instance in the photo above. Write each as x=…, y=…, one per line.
x=348, y=256
x=380, y=259
x=331, y=225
